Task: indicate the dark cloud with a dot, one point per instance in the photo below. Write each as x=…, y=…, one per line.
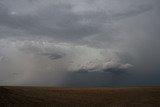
x=133, y=12
x=59, y=20
x=12, y=20
x=96, y=79
x=56, y=21
x=102, y=42
x=53, y=56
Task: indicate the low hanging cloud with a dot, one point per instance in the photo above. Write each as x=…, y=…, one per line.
x=31, y=58
x=43, y=41
x=53, y=56
x=80, y=55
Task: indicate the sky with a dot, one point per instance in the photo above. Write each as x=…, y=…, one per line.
x=81, y=43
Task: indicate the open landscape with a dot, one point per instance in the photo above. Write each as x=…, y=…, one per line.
x=79, y=53
x=79, y=97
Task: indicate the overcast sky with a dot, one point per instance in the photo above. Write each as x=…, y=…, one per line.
x=79, y=42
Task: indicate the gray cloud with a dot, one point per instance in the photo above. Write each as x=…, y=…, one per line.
x=40, y=39
x=133, y=12
x=52, y=56
x=59, y=20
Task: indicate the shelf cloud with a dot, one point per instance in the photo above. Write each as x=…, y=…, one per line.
x=47, y=42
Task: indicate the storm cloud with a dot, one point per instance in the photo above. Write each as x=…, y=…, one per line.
x=47, y=42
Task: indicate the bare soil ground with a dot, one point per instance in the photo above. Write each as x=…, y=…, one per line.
x=79, y=97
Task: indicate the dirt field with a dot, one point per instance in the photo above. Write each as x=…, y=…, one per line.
x=79, y=97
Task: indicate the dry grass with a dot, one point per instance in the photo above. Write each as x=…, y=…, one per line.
x=79, y=97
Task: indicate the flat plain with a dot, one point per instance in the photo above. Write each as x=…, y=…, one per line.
x=14, y=96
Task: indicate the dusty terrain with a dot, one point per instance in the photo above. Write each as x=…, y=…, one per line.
x=79, y=97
